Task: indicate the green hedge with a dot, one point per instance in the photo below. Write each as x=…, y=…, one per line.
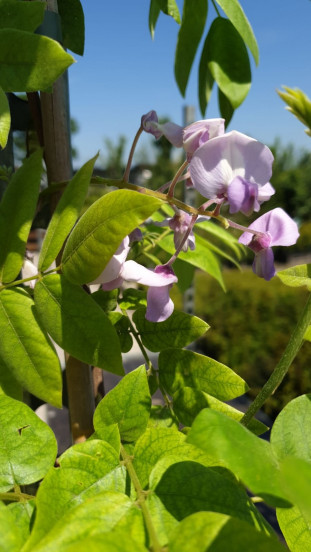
x=250, y=327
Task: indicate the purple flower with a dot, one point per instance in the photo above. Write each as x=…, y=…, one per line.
x=159, y=280
x=234, y=167
x=274, y=228
x=196, y=134
x=171, y=131
x=179, y=223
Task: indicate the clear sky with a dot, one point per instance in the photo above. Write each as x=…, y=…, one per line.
x=124, y=73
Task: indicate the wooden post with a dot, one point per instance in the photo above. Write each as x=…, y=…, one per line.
x=57, y=147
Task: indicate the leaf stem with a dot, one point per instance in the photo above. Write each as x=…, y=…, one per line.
x=216, y=9
x=23, y=280
x=283, y=365
x=141, y=500
x=122, y=184
x=130, y=159
x=15, y=496
x=181, y=169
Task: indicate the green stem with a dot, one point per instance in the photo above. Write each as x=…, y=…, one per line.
x=216, y=8
x=181, y=169
x=141, y=500
x=15, y=497
x=283, y=365
x=23, y=280
x=121, y=184
x=138, y=341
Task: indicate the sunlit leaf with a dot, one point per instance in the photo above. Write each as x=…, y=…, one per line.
x=5, y=119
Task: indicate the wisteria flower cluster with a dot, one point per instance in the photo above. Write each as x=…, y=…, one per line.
x=225, y=168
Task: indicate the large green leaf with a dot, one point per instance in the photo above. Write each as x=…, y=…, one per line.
x=77, y=323
x=8, y=384
x=225, y=107
x=169, y=7
x=65, y=214
x=181, y=367
x=100, y=514
x=163, y=443
x=25, y=16
x=17, y=209
x=235, y=447
x=128, y=405
x=179, y=330
x=25, y=348
x=27, y=445
x=5, y=119
x=202, y=257
x=100, y=231
x=154, y=12
x=189, y=36
x=22, y=513
x=78, y=477
x=188, y=402
x=295, y=528
x=188, y=487
x=30, y=62
x=117, y=540
x=72, y=21
x=290, y=434
x=228, y=61
x=235, y=13
x=296, y=481
x=296, y=276
x=11, y=539
x=212, y=532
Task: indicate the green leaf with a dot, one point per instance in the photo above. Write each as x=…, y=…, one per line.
x=202, y=257
x=110, y=434
x=22, y=513
x=25, y=16
x=121, y=324
x=30, y=62
x=169, y=7
x=128, y=405
x=296, y=276
x=17, y=209
x=160, y=416
x=251, y=459
x=299, y=104
x=79, y=476
x=296, y=481
x=107, y=300
x=154, y=12
x=72, y=21
x=5, y=119
x=228, y=61
x=116, y=541
x=295, y=528
x=132, y=299
x=225, y=107
x=8, y=384
x=189, y=36
x=65, y=214
x=222, y=235
x=179, y=330
x=11, y=538
x=211, y=532
x=188, y=402
x=153, y=445
x=25, y=348
x=188, y=487
x=103, y=513
x=77, y=324
x=100, y=231
x=290, y=432
x=206, y=79
x=235, y=13
x=23, y=439
x=180, y=367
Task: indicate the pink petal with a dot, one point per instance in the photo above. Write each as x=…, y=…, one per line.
x=113, y=268
x=159, y=304
x=134, y=272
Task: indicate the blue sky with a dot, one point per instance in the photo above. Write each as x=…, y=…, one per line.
x=124, y=73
